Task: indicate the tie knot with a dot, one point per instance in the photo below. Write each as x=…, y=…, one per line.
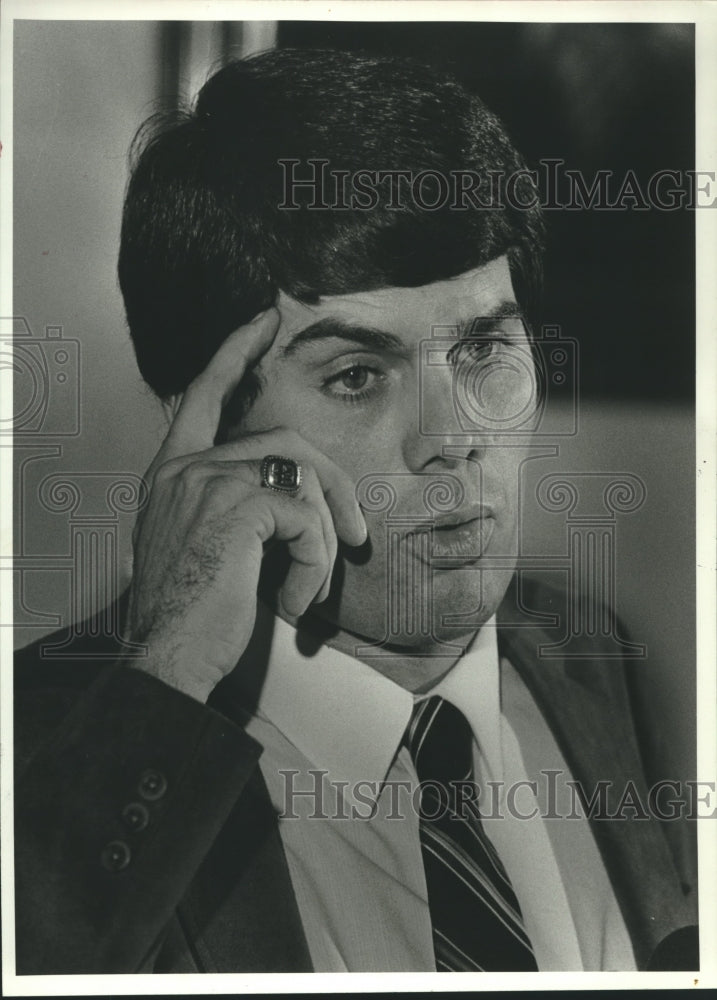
x=440, y=741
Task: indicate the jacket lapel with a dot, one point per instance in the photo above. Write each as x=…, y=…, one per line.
x=240, y=913
x=585, y=703
x=241, y=910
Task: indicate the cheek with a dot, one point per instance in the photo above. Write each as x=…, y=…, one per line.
x=357, y=449
x=511, y=467
x=357, y=440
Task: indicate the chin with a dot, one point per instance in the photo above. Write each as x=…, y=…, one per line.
x=418, y=618
x=465, y=599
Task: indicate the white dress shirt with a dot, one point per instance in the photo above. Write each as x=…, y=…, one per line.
x=331, y=727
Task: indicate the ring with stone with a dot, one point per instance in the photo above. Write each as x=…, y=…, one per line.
x=281, y=474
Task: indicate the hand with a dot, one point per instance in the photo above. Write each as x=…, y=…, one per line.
x=199, y=543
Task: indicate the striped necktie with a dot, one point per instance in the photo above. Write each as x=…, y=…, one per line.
x=477, y=923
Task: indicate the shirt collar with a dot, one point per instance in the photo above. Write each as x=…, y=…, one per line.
x=348, y=719
x=341, y=714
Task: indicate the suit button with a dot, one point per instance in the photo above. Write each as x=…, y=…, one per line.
x=115, y=856
x=152, y=785
x=135, y=816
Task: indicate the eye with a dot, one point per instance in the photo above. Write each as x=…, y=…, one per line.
x=355, y=383
x=355, y=377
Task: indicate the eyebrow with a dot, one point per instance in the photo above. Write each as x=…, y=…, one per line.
x=508, y=309
x=332, y=327
x=381, y=340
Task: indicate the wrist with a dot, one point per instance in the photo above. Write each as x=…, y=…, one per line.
x=169, y=665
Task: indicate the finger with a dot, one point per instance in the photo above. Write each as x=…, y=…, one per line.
x=197, y=420
x=299, y=526
x=311, y=493
x=336, y=485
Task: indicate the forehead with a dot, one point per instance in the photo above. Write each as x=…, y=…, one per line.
x=410, y=313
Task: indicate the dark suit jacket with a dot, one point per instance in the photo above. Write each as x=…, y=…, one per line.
x=196, y=878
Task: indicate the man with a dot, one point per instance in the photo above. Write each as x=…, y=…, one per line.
x=323, y=578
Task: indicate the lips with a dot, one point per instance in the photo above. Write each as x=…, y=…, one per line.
x=458, y=539
x=475, y=512
x=463, y=543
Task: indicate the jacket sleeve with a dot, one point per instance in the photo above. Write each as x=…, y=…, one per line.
x=116, y=805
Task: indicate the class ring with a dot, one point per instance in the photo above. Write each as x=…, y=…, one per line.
x=281, y=474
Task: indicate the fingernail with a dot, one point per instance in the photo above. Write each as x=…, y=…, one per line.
x=361, y=524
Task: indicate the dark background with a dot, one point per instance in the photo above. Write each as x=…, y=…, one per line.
x=601, y=97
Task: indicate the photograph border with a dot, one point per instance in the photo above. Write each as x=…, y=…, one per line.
x=704, y=16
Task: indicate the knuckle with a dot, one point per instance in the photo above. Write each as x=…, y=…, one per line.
x=167, y=471
x=218, y=495
x=193, y=474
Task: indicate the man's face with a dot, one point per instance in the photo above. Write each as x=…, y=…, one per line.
x=360, y=387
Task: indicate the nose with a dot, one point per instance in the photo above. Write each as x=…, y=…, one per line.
x=434, y=437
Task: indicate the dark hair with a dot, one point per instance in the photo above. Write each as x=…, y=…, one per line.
x=205, y=245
